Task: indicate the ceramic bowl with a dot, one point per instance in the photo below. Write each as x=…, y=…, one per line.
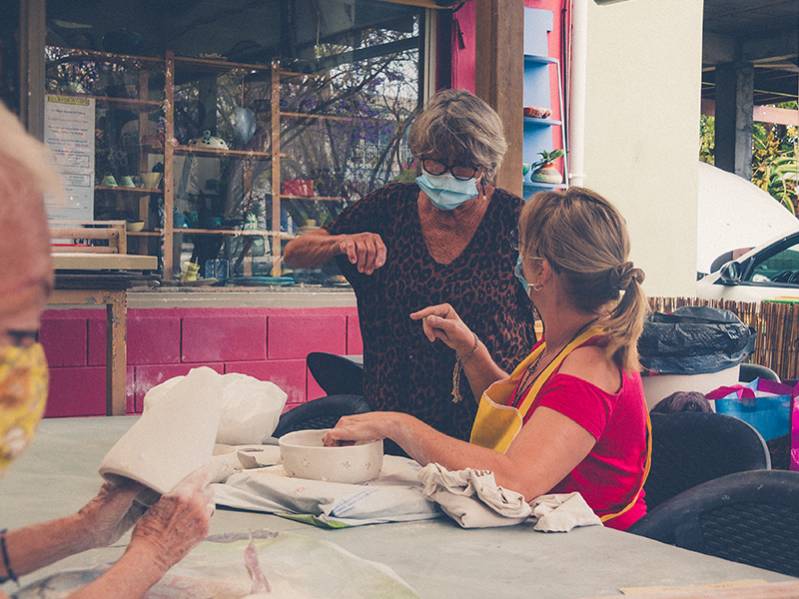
x=135, y=226
x=305, y=456
x=151, y=180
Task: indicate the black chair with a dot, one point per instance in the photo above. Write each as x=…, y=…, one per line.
x=746, y=517
x=337, y=375
x=690, y=448
x=750, y=372
x=321, y=413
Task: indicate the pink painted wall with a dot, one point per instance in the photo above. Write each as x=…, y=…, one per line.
x=268, y=343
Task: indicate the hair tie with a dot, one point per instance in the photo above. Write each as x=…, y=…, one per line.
x=626, y=274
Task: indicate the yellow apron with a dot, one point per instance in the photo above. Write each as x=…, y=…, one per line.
x=497, y=424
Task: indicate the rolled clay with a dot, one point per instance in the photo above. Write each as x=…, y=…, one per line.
x=173, y=438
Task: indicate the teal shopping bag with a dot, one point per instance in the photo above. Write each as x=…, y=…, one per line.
x=766, y=405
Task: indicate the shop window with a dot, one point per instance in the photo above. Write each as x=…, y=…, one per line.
x=9, y=54
x=265, y=119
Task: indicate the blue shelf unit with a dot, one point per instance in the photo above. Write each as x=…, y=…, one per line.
x=538, y=71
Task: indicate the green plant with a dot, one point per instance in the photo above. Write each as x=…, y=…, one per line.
x=547, y=158
x=775, y=168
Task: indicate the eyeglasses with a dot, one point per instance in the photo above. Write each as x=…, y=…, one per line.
x=459, y=171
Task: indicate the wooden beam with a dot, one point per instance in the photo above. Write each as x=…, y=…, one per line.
x=33, y=30
x=500, y=70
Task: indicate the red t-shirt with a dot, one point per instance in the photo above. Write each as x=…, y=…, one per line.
x=610, y=475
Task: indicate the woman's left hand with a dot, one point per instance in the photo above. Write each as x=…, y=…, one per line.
x=371, y=426
x=112, y=512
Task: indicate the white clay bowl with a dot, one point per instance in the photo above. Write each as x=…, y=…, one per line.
x=305, y=456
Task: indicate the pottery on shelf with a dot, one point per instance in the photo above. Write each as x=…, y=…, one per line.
x=135, y=226
x=209, y=141
x=305, y=456
x=151, y=180
x=109, y=181
x=547, y=174
x=537, y=112
x=127, y=181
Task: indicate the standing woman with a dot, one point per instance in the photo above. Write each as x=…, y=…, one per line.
x=448, y=238
x=572, y=415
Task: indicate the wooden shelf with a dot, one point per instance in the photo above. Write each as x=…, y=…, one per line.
x=121, y=189
x=232, y=232
x=156, y=233
x=528, y=120
x=221, y=63
x=106, y=56
x=330, y=117
x=313, y=198
x=200, y=151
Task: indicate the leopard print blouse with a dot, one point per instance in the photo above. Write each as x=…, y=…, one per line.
x=403, y=371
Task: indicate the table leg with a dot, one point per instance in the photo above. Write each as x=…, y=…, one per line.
x=116, y=354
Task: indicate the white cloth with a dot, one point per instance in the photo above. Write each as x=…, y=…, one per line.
x=250, y=408
x=472, y=497
x=561, y=512
x=474, y=500
x=396, y=496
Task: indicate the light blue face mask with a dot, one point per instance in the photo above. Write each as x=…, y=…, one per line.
x=519, y=272
x=445, y=191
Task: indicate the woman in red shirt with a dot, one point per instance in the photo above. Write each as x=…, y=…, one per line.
x=572, y=415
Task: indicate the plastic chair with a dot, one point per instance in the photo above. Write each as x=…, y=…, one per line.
x=690, y=448
x=337, y=375
x=746, y=517
x=321, y=413
x=750, y=372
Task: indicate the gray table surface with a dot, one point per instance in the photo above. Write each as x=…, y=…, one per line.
x=58, y=474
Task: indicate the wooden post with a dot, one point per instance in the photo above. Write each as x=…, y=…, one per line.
x=143, y=243
x=116, y=353
x=277, y=249
x=33, y=31
x=169, y=155
x=734, y=118
x=500, y=70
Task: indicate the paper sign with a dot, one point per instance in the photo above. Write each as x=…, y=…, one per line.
x=69, y=133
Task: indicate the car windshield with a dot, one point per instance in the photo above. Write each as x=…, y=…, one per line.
x=782, y=267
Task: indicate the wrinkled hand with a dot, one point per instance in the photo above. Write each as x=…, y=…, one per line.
x=443, y=323
x=177, y=522
x=371, y=426
x=112, y=512
x=365, y=250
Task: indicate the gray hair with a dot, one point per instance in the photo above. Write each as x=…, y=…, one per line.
x=459, y=128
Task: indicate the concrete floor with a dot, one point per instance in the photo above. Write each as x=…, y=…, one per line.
x=58, y=475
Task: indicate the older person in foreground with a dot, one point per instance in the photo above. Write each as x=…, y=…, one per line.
x=572, y=415
x=450, y=237
x=176, y=522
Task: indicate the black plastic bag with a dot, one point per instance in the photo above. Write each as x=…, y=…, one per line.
x=694, y=340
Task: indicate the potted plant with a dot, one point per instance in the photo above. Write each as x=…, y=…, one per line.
x=544, y=171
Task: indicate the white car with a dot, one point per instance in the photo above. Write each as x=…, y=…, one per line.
x=770, y=271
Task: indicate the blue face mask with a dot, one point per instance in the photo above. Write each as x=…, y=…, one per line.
x=445, y=191
x=519, y=272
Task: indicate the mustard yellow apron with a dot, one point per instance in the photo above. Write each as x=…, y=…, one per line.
x=497, y=424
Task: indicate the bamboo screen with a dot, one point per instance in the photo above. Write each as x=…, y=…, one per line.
x=776, y=323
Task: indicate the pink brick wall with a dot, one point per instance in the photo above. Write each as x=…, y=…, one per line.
x=268, y=343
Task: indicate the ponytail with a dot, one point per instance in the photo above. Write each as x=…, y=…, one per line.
x=625, y=324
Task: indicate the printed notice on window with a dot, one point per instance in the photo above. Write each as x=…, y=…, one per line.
x=69, y=133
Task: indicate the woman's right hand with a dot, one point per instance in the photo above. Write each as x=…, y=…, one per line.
x=442, y=322
x=176, y=522
x=365, y=250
